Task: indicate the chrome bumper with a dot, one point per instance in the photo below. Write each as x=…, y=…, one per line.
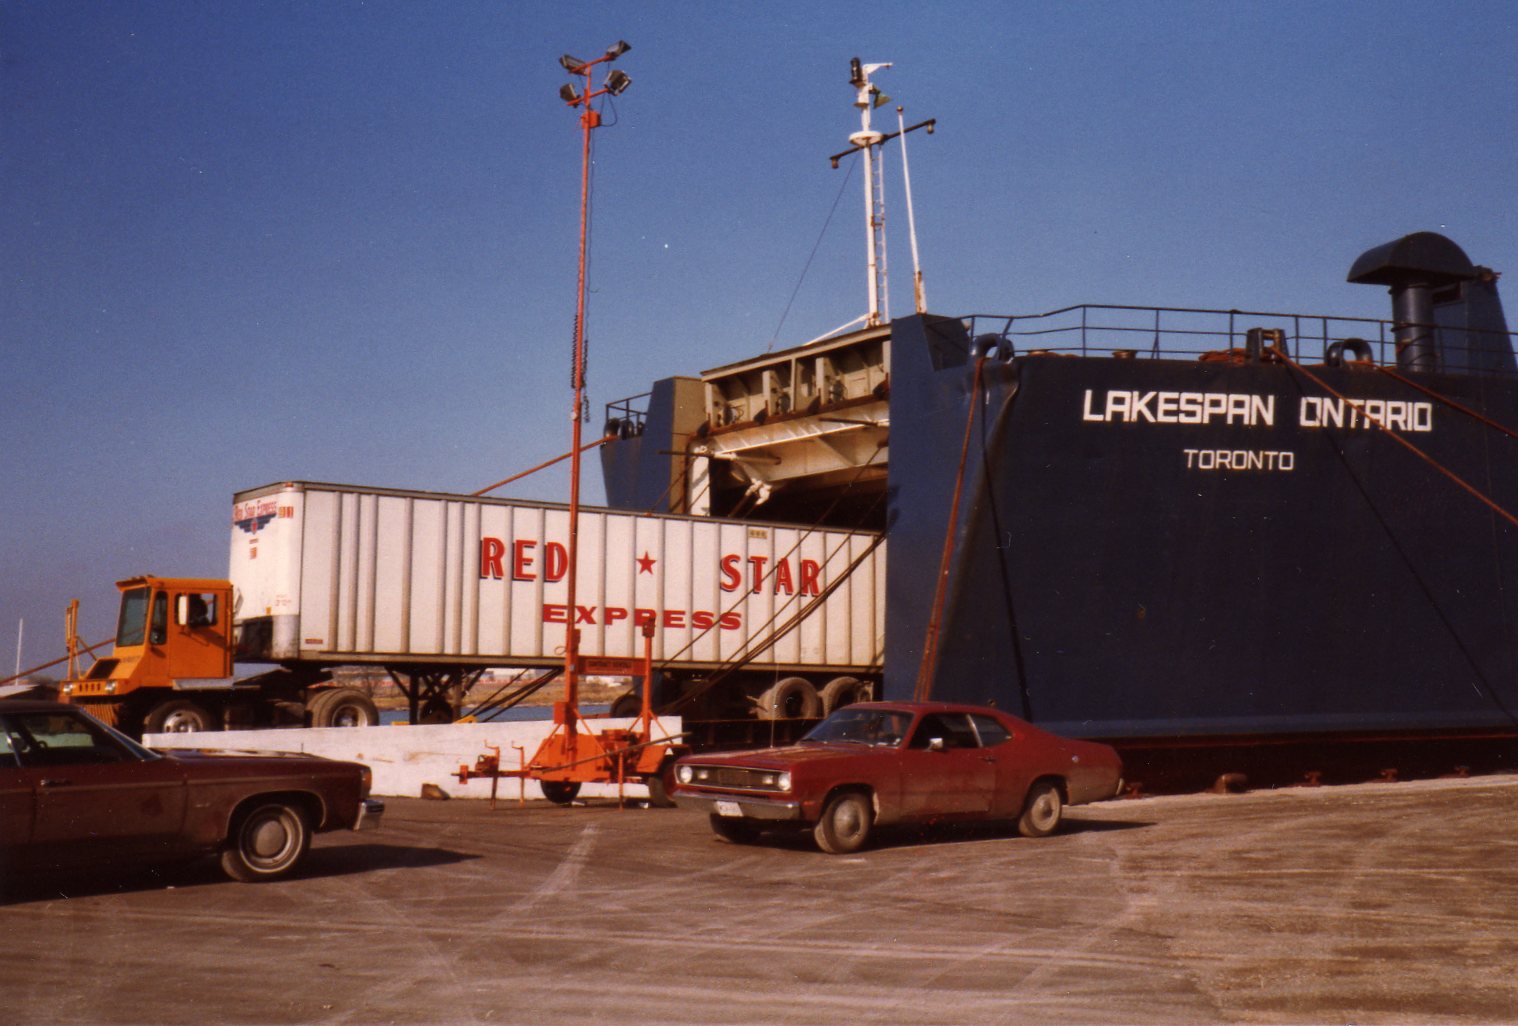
x=370, y=812
x=749, y=806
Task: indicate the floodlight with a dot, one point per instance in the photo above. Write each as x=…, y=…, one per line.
x=617, y=82
x=856, y=73
x=617, y=49
x=573, y=65
x=567, y=93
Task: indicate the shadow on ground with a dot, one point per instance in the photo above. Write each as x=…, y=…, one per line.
x=35, y=885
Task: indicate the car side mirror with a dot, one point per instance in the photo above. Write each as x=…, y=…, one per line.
x=936, y=744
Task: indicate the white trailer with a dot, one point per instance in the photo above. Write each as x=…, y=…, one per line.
x=774, y=619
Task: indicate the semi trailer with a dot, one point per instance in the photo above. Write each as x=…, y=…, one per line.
x=750, y=619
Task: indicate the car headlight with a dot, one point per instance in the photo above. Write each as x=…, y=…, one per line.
x=783, y=782
x=684, y=774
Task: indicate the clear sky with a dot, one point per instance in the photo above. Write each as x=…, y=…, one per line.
x=335, y=241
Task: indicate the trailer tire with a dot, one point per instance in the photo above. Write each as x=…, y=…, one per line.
x=435, y=711
x=790, y=698
x=842, y=691
x=560, y=792
x=343, y=707
x=267, y=841
x=626, y=706
x=660, y=784
x=178, y=716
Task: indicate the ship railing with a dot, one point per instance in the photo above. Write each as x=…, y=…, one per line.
x=1189, y=333
x=626, y=418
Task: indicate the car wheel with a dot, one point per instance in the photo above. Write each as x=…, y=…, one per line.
x=343, y=707
x=734, y=831
x=178, y=716
x=560, y=792
x=845, y=824
x=1042, y=811
x=267, y=842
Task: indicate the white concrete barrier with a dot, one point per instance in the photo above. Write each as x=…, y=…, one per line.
x=404, y=757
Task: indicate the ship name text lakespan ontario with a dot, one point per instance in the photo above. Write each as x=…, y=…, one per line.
x=1247, y=410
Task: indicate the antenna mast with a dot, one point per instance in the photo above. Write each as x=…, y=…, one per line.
x=867, y=141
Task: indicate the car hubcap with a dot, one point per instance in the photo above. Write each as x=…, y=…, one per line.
x=269, y=838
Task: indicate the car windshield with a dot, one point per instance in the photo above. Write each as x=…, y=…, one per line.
x=862, y=727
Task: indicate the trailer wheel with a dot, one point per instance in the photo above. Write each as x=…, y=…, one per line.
x=842, y=691
x=266, y=842
x=343, y=707
x=560, y=792
x=845, y=824
x=437, y=710
x=659, y=785
x=178, y=716
x=791, y=698
x=1041, y=811
x=626, y=706
x=734, y=831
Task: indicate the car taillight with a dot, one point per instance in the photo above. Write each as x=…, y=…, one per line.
x=366, y=781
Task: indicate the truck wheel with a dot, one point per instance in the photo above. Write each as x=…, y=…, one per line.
x=791, y=698
x=1041, y=812
x=560, y=792
x=178, y=716
x=267, y=841
x=842, y=691
x=845, y=824
x=343, y=707
x=734, y=831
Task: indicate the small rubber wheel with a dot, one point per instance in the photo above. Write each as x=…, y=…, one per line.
x=179, y=716
x=625, y=707
x=734, y=831
x=659, y=786
x=1042, y=811
x=267, y=842
x=560, y=792
x=845, y=824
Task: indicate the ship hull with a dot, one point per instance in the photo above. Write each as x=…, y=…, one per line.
x=1178, y=551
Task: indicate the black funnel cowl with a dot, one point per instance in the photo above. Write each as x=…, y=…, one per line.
x=1415, y=268
x=1422, y=258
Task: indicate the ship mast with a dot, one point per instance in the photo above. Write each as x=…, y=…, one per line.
x=868, y=141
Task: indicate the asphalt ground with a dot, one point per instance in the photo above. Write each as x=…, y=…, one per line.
x=1375, y=903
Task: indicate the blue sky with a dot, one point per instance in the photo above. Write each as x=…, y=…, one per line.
x=336, y=241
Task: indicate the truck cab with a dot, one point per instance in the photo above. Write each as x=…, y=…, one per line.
x=173, y=639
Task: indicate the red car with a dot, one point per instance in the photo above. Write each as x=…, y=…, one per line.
x=879, y=763
x=74, y=791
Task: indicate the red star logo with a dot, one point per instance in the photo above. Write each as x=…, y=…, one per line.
x=646, y=563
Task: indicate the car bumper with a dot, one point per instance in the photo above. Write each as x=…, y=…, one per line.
x=370, y=811
x=748, y=806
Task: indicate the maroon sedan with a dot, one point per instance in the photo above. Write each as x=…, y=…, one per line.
x=74, y=791
x=880, y=763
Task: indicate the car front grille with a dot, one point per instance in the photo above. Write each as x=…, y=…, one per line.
x=736, y=778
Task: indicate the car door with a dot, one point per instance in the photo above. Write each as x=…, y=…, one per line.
x=944, y=770
x=15, y=801
x=94, y=797
x=1011, y=763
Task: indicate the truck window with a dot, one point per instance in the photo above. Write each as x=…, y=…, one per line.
x=197, y=609
x=132, y=626
x=160, y=627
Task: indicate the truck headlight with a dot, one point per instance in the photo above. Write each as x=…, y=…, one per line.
x=684, y=774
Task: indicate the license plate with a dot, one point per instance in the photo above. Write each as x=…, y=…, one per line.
x=728, y=809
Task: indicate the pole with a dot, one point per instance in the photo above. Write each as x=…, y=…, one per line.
x=919, y=297
x=589, y=119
